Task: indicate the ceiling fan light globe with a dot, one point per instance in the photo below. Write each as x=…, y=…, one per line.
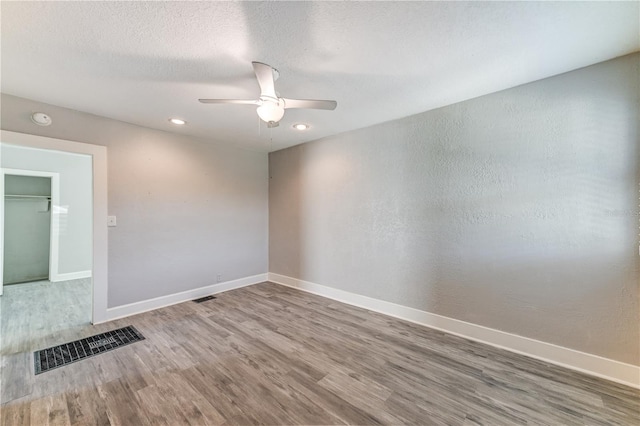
x=270, y=111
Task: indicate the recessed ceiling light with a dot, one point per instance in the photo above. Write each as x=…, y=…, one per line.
x=177, y=121
x=301, y=126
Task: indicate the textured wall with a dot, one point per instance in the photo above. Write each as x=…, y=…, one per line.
x=188, y=210
x=74, y=216
x=516, y=210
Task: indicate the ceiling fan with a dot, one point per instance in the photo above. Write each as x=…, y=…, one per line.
x=270, y=105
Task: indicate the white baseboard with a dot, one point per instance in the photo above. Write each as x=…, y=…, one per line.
x=70, y=276
x=172, y=299
x=594, y=365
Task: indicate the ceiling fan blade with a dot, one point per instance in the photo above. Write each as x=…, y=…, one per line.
x=309, y=103
x=229, y=101
x=264, y=74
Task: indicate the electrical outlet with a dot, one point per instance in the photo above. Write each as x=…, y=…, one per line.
x=219, y=278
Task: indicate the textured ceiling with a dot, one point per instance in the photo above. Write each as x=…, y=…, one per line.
x=143, y=62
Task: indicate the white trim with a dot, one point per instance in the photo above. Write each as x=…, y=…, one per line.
x=70, y=276
x=594, y=365
x=54, y=228
x=100, y=237
x=172, y=299
x=1, y=228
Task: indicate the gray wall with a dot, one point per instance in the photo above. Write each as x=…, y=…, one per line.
x=187, y=209
x=26, y=185
x=74, y=211
x=516, y=211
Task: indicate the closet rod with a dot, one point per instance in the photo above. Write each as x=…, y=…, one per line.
x=48, y=197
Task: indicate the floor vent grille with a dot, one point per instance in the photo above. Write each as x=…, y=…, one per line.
x=204, y=299
x=61, y=355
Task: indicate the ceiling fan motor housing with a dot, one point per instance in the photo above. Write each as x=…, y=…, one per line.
x=271, y=110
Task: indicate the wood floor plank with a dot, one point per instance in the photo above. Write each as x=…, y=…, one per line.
x=86, y=407
x=17, y=379
x=40, y=411
x=123, y=405
x=268, y=354
x=331, y=402
x=17, y=412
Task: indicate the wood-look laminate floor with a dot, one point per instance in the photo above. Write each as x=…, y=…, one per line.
x=33, y=313
x=267, y=354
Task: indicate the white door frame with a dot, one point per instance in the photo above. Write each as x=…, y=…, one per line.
x=98, y=153
x=54, y=225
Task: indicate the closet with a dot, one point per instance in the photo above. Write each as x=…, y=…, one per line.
x=27, y=228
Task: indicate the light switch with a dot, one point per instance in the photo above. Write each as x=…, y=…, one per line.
x=111, y=221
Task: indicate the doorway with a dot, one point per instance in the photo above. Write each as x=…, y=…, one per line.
x=47, y=244
x=98, y=229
